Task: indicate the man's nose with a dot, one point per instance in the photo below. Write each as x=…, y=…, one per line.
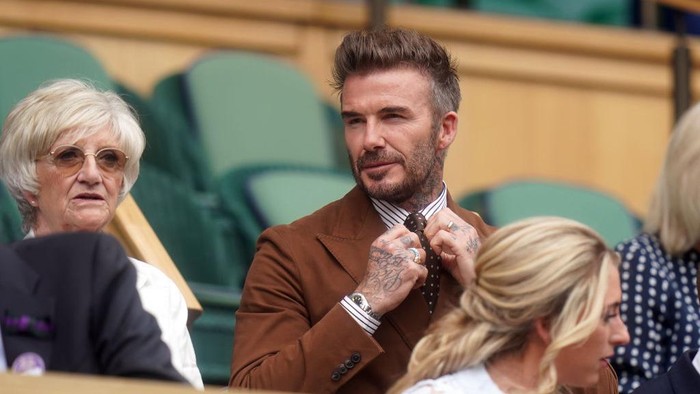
x=374, y=136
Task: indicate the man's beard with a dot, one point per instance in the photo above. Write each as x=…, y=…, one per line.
x=422, y=165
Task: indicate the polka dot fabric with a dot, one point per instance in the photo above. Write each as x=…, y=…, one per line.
x=416, y=222
x=660, y=307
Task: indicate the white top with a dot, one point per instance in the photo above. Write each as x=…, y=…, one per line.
x=161, y=298
x=471, y=380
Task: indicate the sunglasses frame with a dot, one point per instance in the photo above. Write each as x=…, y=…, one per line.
x=71, y=170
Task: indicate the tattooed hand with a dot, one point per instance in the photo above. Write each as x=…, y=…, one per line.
x=391, y=269
x=457, y=245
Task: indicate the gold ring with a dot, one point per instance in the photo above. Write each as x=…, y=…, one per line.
x=416, y=255
x=450, y=225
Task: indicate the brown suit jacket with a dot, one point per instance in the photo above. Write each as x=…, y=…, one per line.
x=291, y=332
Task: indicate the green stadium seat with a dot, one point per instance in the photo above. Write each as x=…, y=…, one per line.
x=255, y=109
x=30, y=61
x=520, y=199
x=603, y=12
x=209, y=260
x=10, y=219
x=283, y=195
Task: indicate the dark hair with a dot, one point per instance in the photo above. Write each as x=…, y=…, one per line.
x=365, y=51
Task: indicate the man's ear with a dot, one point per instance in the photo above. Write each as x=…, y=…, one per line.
x=542, y=327
x=448, y=130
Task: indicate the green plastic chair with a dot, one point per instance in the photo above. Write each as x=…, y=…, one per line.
x=337, y=133
x=517, y=200
x=30, y=61
x=193, y=236
x=208, y=258
x=168, y=102
x=284, y=195
x=255, y=109
x=212, y=333
x=248, y=196
x=170, y=144
x=475, y=201
x=604, y=12
x=10, y=219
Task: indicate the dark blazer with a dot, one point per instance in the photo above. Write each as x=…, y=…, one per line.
x=682, y=378
x=291, y=333
x=78, y=292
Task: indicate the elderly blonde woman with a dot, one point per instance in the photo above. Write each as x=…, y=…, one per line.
x=541, y=315
x=660, y=266
x=69, y=153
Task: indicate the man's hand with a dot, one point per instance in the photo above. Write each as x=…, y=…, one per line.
x=393, y=270
x=456, y=242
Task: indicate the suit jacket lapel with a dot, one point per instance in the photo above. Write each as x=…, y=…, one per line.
x=19, y=284
x=358, y=226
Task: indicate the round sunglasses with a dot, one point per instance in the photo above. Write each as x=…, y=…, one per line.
x=70, y=158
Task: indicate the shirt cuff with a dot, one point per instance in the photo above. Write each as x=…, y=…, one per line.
x=367, y=322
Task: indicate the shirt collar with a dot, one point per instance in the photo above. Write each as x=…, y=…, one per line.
x=392, y=214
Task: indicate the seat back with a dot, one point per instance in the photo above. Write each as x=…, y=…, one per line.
x=251, y=109
x=208, y=258
x=188, y=230
x=171, y=147
x=173, y=144
x=520, y=199
x=286, y=194
x=475, y=201
x=10, y=220
x=29, y=61
x=604, y=12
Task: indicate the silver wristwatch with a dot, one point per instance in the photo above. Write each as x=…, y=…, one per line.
x=360, y=300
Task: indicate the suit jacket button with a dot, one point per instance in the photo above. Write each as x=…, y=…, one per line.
x=355, y=357
x=342, y=369
x=335, y=376
x=349, y=364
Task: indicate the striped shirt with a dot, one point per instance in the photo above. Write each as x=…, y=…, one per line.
x=391, y=215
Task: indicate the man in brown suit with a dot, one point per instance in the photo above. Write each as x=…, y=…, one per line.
x=336, y=301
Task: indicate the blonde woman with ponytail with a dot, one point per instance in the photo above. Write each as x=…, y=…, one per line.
x=541, y=317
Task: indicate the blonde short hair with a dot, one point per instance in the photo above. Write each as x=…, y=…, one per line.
x=60, y=107
x=674, y=213
x=551, y=268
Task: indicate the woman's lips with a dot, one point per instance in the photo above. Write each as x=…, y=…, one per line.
x=88, y=197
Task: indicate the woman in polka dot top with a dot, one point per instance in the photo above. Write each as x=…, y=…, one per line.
x=659, y=267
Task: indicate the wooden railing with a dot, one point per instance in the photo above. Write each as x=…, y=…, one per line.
x=131, y=228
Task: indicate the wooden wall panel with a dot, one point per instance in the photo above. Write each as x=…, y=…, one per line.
x=572, y=102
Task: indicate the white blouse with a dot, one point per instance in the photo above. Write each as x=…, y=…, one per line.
x=162, y=299
x=471, y=380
